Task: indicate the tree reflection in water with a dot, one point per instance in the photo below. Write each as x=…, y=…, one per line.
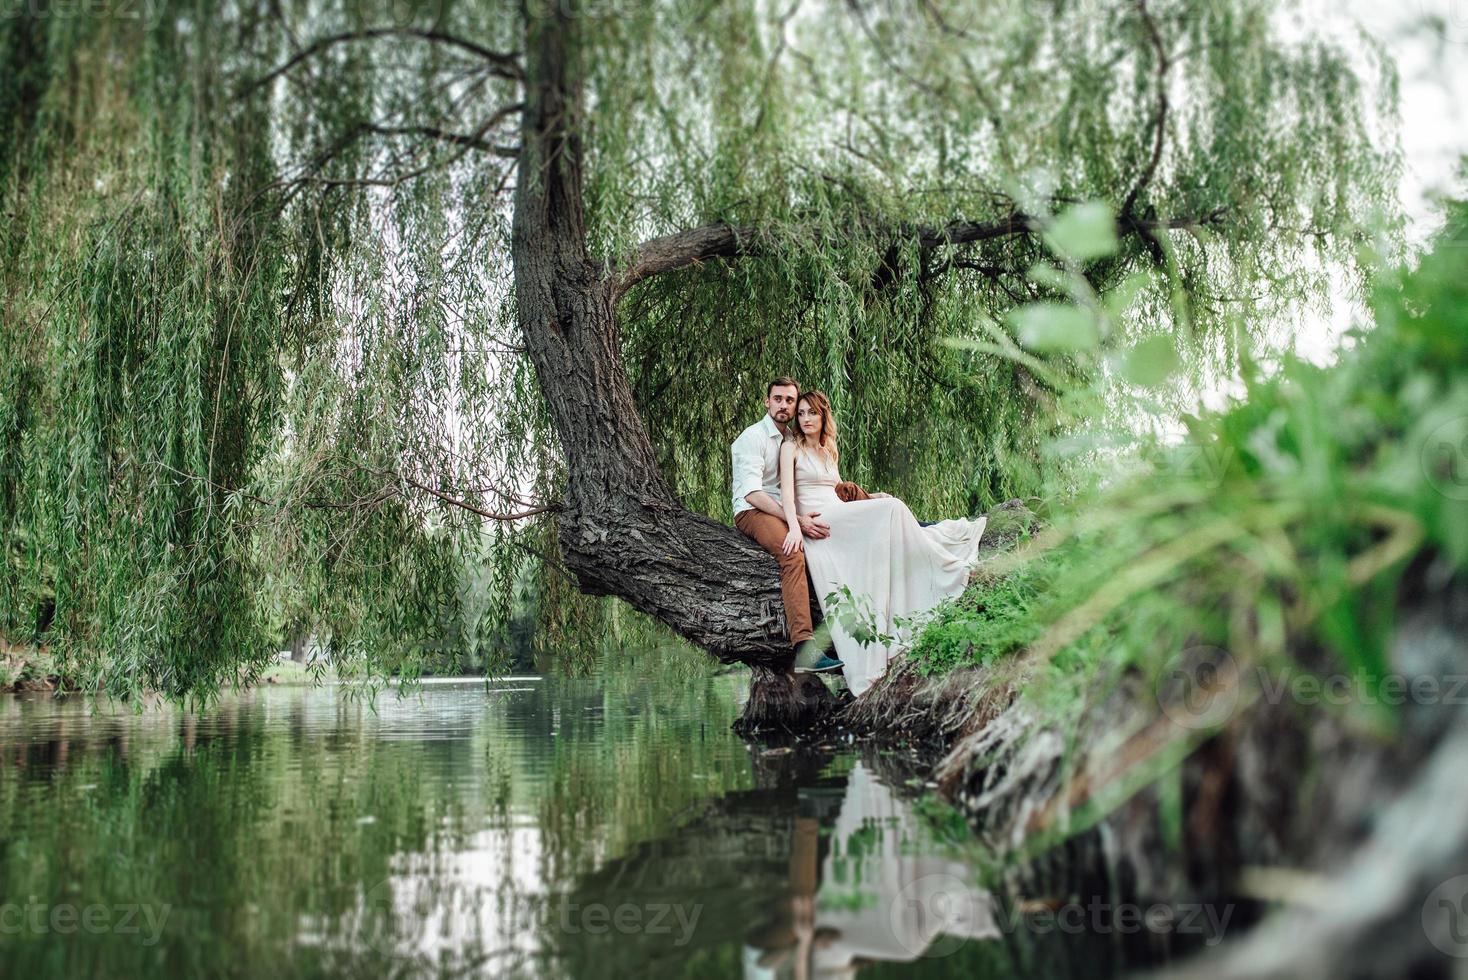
x=539, y=828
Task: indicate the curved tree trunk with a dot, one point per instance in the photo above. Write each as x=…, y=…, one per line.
x=622, y=530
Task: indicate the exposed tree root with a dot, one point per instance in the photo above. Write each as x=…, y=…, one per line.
x=782, y=703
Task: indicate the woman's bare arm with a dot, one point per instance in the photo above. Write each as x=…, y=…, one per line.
x=787, y=485
x=793, y=539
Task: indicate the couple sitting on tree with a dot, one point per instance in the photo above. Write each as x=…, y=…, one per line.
x=788, y=497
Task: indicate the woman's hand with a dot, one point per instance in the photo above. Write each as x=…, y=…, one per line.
x=878, y=495
x=793, y=542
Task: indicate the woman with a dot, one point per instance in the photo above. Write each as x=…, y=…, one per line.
x=876, y=547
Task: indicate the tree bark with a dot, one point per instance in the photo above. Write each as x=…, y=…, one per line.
x=622, y=530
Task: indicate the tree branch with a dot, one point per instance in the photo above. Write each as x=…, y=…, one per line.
x=504, y=65
x=721, y=240
x=465, y=141
x=491, y=515
x=370, y=499
x=724, y=241
x=685, y=248
x=470, y=140
x=1159, y=118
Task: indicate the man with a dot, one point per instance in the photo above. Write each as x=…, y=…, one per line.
x=758, y=513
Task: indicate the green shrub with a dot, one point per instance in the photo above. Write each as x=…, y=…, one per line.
x=1282, y=522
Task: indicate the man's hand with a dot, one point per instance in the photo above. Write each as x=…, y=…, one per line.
x=813, y=527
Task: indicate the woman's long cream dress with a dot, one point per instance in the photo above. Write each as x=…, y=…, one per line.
x=880, y=551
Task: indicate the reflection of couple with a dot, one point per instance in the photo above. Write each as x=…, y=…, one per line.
x=877, y=894
x=786, y=498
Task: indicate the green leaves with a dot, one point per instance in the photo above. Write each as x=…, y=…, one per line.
x=1278, y=530
x=1150, y=362
x=1078, y=235
x=1055, y=328
x=1083, y=233
x=1120, y=300
x=276, y=354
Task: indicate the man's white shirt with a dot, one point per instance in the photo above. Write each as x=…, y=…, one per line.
x=756, y=456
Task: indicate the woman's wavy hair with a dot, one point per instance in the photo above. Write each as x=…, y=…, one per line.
x=825, y=440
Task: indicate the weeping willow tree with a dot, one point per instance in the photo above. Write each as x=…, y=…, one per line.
x=307, y=305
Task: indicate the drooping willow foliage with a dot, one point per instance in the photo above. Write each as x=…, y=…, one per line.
x=259, y=350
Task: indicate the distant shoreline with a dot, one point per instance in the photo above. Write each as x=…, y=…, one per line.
x=32, y=670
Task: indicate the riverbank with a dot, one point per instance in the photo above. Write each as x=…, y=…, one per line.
x=1254, y=793
x=1244, y=667
x=24, y=669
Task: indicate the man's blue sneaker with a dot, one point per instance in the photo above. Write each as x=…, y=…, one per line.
x=821, y=666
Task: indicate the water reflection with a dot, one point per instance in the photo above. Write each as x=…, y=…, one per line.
x=531, y=828
x=882, y=894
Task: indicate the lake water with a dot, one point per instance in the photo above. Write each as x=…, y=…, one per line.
x=529, y=827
